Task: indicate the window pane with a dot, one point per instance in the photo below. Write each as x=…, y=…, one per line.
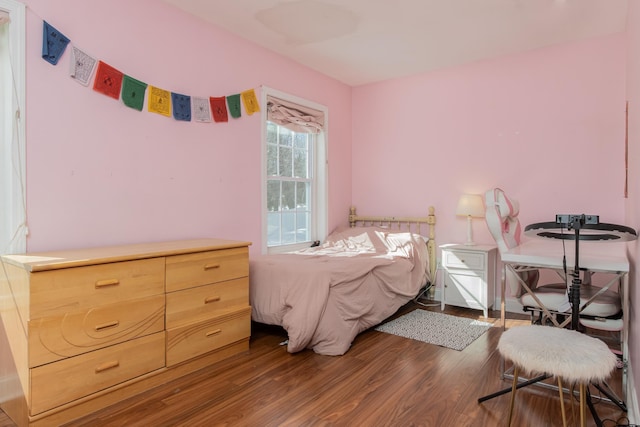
x=272, y=133
x=300, y=140
x=300, y=162
x=273, y=229
x=272, y=160
x=285, y=137
x=302, y=226
x=303, y=189
x=284, y=162
x=273, y=196
x=288, y=228
x=288, y=195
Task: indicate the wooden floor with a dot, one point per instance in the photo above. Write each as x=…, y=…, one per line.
x=383, y=380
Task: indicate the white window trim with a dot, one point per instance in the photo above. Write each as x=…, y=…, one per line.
x=15, y=191
x=321, y=189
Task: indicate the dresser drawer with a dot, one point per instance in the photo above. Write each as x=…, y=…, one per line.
x=59, y=337
x=203, y=268
x=206, y=302
x=61, y=382
x=463, y=260
x=189, y=341
x=56, y=292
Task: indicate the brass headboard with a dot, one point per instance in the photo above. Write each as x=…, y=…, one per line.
x=410, y=224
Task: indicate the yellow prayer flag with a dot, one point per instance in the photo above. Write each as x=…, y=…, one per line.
x=250, y=101
x=159, y=101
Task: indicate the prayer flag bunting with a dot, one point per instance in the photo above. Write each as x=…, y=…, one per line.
x=133, y=92
x=115, y=84
x=108, y=80
x=219, y=109
x=159, y=101
x=53, y=44
x=181, y=106
x=233, y=101
x=201, y=109
x=82, y=66
x=250, y=101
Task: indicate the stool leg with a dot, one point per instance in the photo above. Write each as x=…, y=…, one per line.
x=564, y=416
x=583, y=406
x=514, y=387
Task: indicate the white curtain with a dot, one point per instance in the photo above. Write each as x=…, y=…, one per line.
x=13, y=227
x=294, y=116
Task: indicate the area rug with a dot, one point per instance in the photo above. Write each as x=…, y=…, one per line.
x=436, y=328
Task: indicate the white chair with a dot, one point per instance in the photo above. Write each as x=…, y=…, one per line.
x=547, y=303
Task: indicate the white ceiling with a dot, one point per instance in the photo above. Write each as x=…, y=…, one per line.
x=364, y=41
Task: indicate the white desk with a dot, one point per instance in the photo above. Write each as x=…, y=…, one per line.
x=547, y=253
x=601, y=256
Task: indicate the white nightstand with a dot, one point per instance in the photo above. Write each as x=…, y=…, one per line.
x=469, y=276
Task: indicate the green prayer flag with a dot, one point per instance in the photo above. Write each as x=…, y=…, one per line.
x=133, y=92
x=233, y=101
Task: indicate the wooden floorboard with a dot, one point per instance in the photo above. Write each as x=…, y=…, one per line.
x=383, y=380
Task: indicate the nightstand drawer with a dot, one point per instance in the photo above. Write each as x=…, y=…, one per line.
x=464, y=260
x=204, y=268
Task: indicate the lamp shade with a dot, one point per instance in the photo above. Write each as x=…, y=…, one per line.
x=470, y=205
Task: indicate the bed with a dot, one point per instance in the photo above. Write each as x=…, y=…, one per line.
x=360, y=275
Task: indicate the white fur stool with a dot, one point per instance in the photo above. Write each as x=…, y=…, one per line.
x=561, y=353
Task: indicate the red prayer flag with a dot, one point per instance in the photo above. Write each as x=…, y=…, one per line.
x=108, y=80
x=219, y=108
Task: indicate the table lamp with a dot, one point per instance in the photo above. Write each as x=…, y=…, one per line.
x=471, y=206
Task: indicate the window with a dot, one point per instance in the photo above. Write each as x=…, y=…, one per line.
x=12, y=131
x=295, y=177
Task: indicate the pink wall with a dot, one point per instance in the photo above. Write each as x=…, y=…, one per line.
x=547, y=126
x=633, y=203
x=100, y=173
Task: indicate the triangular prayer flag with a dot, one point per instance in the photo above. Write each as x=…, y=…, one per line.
x=159, y=101
x=233, y=101
x=201, y=109
x=219, y=109
x=82, y=66
x=250, y=101
x=108, y=80
x=133, y=92
x=53, y=43
x=181, y=106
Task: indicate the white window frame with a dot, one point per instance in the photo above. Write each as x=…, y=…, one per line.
x=12, y=140
x=320, y=186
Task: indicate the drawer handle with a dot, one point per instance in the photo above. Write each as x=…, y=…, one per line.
x=107, y=325
x=106, y=366
x=208, y=300
x=211, y=333
x=107, y=282
x=211, y=266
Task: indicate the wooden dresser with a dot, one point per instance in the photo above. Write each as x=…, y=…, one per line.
x=84, y=329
